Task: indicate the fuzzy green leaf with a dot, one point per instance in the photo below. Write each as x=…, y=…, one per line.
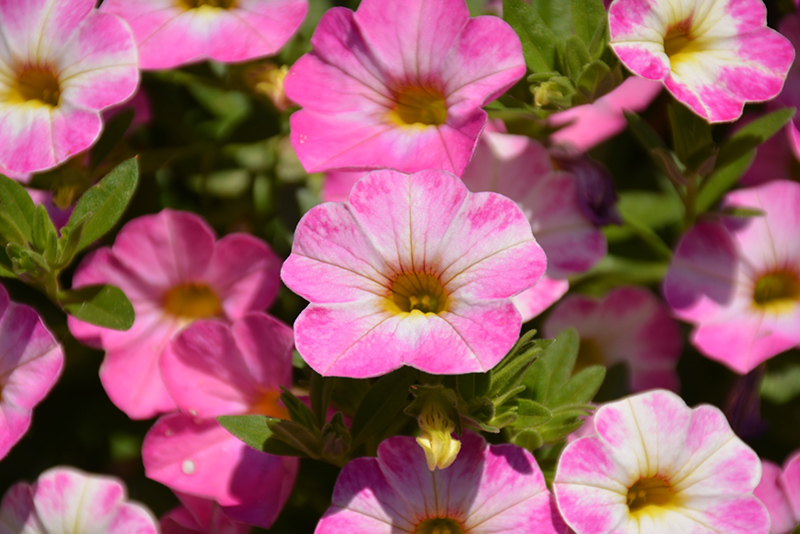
x=538, y=42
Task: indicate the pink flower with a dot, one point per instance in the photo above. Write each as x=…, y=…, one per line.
x=412, y=270
x=211, y=369
x=780, y=493
x=63, y=62
x=522, y=169
x=30, y=363
x=399, y=85
x=656, y=465
x=489, y=488
x=171, y=33
x=197, y=515
x=712, y=56
x=738, y=278
x=174, y=271
x=65, y=500
x=628, y=325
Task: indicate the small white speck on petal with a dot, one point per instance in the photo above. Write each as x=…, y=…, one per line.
x=188, y=467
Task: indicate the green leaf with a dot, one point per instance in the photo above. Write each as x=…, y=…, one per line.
x=559, y=428
x=466, y=386
x=69, y=241
x=507, y=375
x=531, y=413
x=105, y=202
x=577, y=55
x=298, y=411
x=113, y=131
x=10, y=231
x=45, y=236
x=587, y=16
x=253, y=430
x=320, y=392
x=383, y=402
x=691, y=136
x=752, y=134
x=644, y=133
x=100, y=305
x=529, y=439
x=581, y=388
x=595, y=80
x=296, y=436
x=722, y=180
x=17, y=205
x=779, y=386
x=6, y=270
x=538, y=42
x=599, y=41
x=554, y=367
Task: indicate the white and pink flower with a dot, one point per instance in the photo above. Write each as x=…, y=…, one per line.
x=628, y=325
x=171, y=33
x=655, y=465
x=30, y=363
x=779, y=490
x=399, y=85
x=489, y=488
x=712, y=56
x=63, y=62
x=174, y=271
x=738, y=278
x=412, y=270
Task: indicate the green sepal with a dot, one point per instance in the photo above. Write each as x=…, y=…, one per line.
x=436, y=396
x=45, y=235
x=336, y=439
x=508, y=374
x=298, y=411
x=100, y=305
x=296, y=436
x=319, y=392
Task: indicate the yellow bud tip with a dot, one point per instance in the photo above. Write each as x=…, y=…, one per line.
x=436, y=439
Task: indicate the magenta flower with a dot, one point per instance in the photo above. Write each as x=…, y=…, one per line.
x=489, y=488
x=171, y=33
x=522, y=169
x=712, y=56
x=63, y=62
x=780, y=493
x=399, y=85
x=211, y=369
x=738, y=279
x=30, y=363
x=199, y=516
x=65, y=500
x=412, y=270
x=628, y=325
x=656, y=465
x=174, y=271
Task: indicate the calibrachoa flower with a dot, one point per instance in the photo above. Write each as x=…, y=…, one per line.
x=399, y=85
x=628, y=325
x=656, y=465
x=174, y=271
x=211, y=369
x=67, y=501
x=522, y=169
x=412, y=270
x=170, y=33
x=713, y=56
x=488, y=489
x=780, y=493
x=738, y=278
x=63, y=62
x=30, y=363
x=198, y=515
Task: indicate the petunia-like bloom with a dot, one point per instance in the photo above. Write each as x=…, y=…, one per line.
x=174, y=271
x=628, y=325
x=412, y=270
x=738, y=278
x=399, y=85
x=713, y=56
x=522, y=169
x=655, y=465
x=780, y=493
x=63, y=62
x=30, y=364
x=199, y=516
x=171, y=33
x=212, y=369
x=489, y=488
x=67, y=501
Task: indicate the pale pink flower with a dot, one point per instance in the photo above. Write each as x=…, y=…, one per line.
x=489, y=488
x=174, y=271
x=199, y=516
x=738, y=278
x=63, y=62
x=67, y=501
x=30, y=364
x=211, y=369
x=522, y=169
x=628, y=325
x=412, y=270
x=712, y=56
x=656, y=465
x=780, y=493
x=399, y=85
x=171, y=33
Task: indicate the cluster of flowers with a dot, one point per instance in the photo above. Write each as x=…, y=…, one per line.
x=423, y=256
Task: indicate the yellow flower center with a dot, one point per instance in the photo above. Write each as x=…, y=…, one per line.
x=650, y=496
x=589, y=354
x=196, y=4
x=420, y=292
x=192, y=301
x=37, y=86
x=418, y=106
x=777, y=292
x=439, y=525
x=680, y=45
x=268, y=405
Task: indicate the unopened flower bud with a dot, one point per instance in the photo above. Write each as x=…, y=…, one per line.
x=267, y=80
x=436, y=439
